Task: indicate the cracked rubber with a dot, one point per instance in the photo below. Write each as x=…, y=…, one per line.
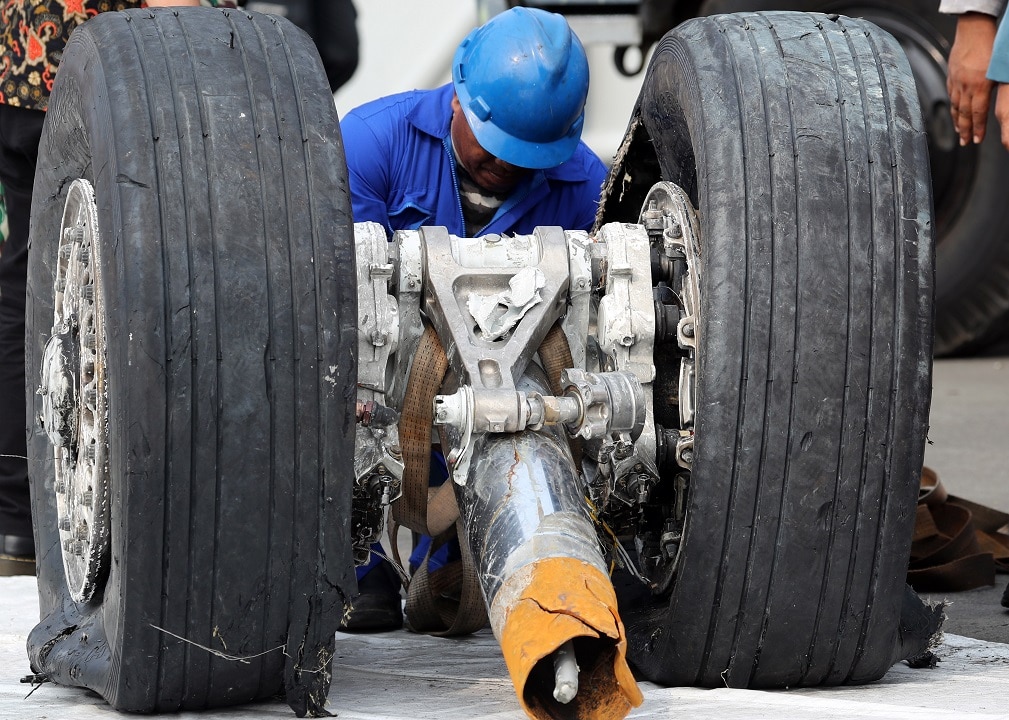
x=800, y=140
x=213, y=145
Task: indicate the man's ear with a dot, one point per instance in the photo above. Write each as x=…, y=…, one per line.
x=456, y=105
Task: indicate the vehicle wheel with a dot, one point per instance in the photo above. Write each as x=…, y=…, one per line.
x=799, y=140
x=195, y=508
x=972, y=221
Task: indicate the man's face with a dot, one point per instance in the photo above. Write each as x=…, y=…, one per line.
x=487, y=171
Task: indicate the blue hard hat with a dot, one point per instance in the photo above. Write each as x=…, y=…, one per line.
x=521, y=79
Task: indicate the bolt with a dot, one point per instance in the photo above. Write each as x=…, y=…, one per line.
x=378, y=338
x=88, y=340
x=84, y=256
x=60, y=486
x=652, y=219
x=627, y=340
x=82, y=530
x=91, y=397
x=89, y=452
x=688, y=330
x=65, y=523
x=687, y=456
x=88, y=293
x=675, y=231
x=87, y=499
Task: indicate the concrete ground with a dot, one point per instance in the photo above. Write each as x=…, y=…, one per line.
x=400, y=676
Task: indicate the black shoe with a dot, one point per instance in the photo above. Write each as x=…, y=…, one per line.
x=378, y=605
x=17, y=555
x=1005, y=597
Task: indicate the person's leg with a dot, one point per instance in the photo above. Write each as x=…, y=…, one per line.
x=378, y=604
x=334, y=30
x=20, y=131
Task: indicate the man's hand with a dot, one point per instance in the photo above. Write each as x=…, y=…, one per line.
x=969, y=89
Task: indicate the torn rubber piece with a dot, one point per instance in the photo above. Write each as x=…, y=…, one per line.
x=920, y=631
x=543, y=607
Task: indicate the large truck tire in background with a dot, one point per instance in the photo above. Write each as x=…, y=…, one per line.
x=972, y=218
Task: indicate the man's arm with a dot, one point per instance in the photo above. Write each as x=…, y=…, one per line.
x=969, y=88
x=367, y=170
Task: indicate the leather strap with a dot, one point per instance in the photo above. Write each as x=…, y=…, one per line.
x=957, y=544
x=446, y=601
x=423, y=509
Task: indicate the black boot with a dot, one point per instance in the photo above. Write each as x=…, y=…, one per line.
x=17, y=555
x=378, y=605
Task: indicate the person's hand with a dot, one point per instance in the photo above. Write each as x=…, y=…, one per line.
x=969, y=89
x=1002, y=112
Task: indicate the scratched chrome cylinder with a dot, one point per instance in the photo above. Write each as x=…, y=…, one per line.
x=523, y=502
x=549, y=597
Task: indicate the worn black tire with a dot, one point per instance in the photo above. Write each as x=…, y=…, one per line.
x=227, y=269
x=800, y=139
x=972, y=220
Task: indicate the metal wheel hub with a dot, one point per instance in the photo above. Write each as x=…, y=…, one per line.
x=675, y=232
x=670, y=216
x=75, y=406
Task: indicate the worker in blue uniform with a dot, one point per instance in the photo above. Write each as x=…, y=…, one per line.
x=497, y=150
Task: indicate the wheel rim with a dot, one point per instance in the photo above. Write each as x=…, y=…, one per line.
x=75, y=402
x=667, y=211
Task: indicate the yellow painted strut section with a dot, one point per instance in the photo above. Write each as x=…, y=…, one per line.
x=564, y=600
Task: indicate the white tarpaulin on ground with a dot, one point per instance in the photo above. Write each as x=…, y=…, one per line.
x=402, y=676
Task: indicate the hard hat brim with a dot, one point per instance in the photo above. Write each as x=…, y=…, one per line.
x=518, y=152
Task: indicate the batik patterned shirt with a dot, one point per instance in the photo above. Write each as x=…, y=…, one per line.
x=33, y=34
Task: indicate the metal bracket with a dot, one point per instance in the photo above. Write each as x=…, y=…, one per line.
x=492, y=300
